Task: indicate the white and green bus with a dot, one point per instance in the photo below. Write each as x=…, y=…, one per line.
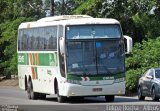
x=72, y=56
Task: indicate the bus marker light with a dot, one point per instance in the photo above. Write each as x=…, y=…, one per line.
x=28, y=25
x=120, y=92
x=73, y=93
x=97, y=82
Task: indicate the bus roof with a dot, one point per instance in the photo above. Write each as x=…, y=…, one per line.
x=67, y=20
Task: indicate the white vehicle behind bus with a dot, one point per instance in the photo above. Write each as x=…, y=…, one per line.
x=72, y=56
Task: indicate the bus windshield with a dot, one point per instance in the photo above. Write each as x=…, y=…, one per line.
x=93, y=31
x=92, y=57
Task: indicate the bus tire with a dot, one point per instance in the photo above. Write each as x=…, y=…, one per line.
x=31, y=94
x=109, y=98
x=42, y=96
x=60, y=99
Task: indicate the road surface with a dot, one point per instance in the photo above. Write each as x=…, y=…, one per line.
x=14, y=96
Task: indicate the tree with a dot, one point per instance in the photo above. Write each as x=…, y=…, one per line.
x=8, y=44
x=12, y=9
x=63, y=7
x=29, y=8
x=12, y=13
x=90, y=7
x=5, y=10
x=52, y=7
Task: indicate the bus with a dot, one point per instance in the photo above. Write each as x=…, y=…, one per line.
x=72, y=56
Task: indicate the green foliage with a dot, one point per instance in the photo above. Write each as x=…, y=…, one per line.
x=6, y=9
x=90, y=7
x=132, y=78
x=145, y=54
x=28, y=8
x=12, y=13
x=12, y=9
x=64, y=7
x=8, y=44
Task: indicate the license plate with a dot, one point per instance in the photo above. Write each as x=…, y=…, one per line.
x=97, y=89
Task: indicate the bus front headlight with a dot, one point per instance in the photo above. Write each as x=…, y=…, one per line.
x=118, y=80
x=74, y=81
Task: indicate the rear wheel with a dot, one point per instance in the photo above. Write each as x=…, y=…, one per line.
x=31, y=94
x=140, y=96
x=109, y=98
x=154, y=98
x=42, y=96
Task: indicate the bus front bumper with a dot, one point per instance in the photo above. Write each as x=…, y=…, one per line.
x=101, y=90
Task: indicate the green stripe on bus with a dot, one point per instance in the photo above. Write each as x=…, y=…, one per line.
x=35, y=69
x=95, y=77
x=23, y=59
x=34, y=59
x=44, y=59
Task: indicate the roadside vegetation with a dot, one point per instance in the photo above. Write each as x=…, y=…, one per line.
x=140, y=19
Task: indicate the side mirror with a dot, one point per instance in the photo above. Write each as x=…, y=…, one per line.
x=149, y=77
x=129, y=44
x=62, y=46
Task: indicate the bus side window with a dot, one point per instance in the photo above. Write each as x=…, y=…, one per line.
x=51, y=38
x=42, y=39
x=24, y=45
x=20, y=34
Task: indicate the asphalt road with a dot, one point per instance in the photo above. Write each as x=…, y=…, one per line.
x=15, y=97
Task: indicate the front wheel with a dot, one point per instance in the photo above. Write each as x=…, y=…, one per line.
x=109, y=98
x=140, y=96
x=154, y=98
x=60, y=99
